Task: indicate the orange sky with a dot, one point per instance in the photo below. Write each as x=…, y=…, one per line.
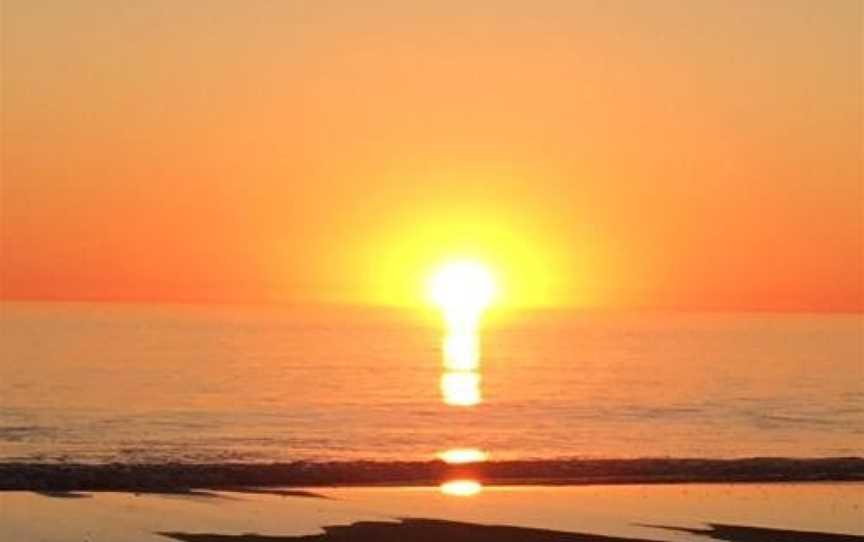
x=670, y=154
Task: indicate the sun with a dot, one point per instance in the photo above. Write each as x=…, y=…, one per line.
x=465, y=287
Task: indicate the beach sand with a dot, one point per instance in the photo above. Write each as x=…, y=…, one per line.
x=777, y=512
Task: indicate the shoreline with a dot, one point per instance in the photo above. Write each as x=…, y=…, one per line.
x=174, y=477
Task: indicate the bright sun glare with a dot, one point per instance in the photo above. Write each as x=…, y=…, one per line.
x=463, y=290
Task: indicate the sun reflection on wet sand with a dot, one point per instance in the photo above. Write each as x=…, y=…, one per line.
x=461, y=488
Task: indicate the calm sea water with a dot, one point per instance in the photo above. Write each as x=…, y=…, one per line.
x=100, y=383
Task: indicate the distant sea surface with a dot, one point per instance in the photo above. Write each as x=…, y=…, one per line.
x=104, y=383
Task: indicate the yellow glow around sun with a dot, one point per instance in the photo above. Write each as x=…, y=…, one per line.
x=396, y=266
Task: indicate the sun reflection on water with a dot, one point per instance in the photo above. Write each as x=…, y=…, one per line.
x=462, y=456
x=460, y=381
x=461, y=350
x=461, y=389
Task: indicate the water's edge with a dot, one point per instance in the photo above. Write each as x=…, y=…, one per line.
x=181, y=477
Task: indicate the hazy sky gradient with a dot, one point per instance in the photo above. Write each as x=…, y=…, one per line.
x=616, y=153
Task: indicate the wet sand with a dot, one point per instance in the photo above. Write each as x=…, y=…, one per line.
x=812, y=512
x=744, y=500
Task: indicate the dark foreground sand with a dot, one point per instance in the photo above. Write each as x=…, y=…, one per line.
x=428, y=530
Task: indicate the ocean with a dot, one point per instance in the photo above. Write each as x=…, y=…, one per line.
x=115, y=383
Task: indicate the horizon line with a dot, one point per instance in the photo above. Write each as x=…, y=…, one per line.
x=422, y=307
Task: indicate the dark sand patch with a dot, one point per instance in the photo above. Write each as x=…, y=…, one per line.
x=738, y=533
x=183, y=493
x=414, y=530
x=278, y=492
x=63, y=494
x=429, y=530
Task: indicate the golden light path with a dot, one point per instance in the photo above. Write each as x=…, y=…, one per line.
x=462, y=290
x=461, y=350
